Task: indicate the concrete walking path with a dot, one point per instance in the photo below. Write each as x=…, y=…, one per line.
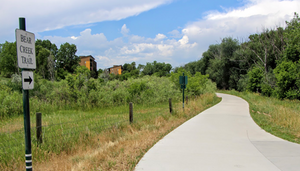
x=222, y=138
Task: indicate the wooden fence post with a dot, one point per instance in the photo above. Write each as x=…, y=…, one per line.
x=187, y=99
x=170, y=105
x=130, y=113
x=39, y=136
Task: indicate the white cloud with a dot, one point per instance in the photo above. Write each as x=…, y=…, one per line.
x=159, y=37
x=124, y=30
x=240, y=22
x=179, y=47
x=118, y=52
x=53, y=14
x=175, y=34
x=73, y=37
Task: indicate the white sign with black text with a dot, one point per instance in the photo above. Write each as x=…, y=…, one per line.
x=25, y=49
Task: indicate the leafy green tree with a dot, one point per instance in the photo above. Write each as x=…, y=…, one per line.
x=8, y=59
x=45, y=58
x=129, y=71
x=42, y=61
x=265, y=49
x=48, y=45
x=215, y=72
x=100, y=71
x=220, y=65
x=292, y=38
x=191, y=67
x=213, y=52
x=161, y=69
x=66, y=60
x=140, y=67
x=228, y=48
x=129, y=67
x=148, y=69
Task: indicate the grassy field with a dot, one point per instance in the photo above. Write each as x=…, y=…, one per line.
x=98, y=139
x=278, y=117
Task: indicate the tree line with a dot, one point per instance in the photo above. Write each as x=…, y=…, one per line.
x=56, y=64
x=268, y=63
x=130, y=70
x=52, y=63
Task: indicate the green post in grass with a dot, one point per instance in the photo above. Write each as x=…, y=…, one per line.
x=183, y=80
x=26, y=111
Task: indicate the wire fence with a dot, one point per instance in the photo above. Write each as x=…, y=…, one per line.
x=56, y=136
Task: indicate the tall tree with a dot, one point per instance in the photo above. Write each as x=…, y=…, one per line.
x=228, y=48
x=157, y=68
x=66, y=59
x=292, y=38
x=213, y=52
x=265, y=49
x=48, y=45
x=129, y=67
x=42, y=61
x=219, y=64
x=45, y=58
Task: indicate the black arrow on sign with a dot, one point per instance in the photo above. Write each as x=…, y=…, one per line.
x=28, y=80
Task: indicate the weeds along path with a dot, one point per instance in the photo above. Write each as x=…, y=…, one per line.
x=225, y=138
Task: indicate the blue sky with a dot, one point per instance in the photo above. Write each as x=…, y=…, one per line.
x=117, y=31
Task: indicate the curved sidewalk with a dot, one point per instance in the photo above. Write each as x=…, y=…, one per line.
x=222, y=138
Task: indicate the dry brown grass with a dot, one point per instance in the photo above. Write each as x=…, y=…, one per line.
x=121, y=148
x=116, y=149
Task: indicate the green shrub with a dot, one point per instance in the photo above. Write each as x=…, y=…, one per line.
x=255, y=76
x=197, y=84
x=288, y=80
x=10, y=102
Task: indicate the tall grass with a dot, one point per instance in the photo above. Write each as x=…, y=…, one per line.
x=50, y=96
x=63, y=131
x=278, y=117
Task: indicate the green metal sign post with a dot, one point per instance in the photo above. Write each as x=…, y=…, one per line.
x=183, y=80
x=26, y=111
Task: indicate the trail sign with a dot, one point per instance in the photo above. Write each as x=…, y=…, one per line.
x=183, y=80
x=27, y=80
x=25, y=49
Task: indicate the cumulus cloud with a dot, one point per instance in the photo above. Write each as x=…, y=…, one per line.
x=180, y=46
x=118, y=52
x=240, y=22
x=175, y=34
x=124, y=30
x=159, y=37
x=54, y=14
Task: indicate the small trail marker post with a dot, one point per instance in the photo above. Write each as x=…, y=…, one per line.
x=26, y=60
x=130, y=113
x=183, y=80
x=170, y=105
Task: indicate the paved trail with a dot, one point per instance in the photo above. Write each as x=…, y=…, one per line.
x=222, y=138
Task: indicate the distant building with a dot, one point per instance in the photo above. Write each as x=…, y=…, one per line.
x=89, y=62
x=116, y=69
